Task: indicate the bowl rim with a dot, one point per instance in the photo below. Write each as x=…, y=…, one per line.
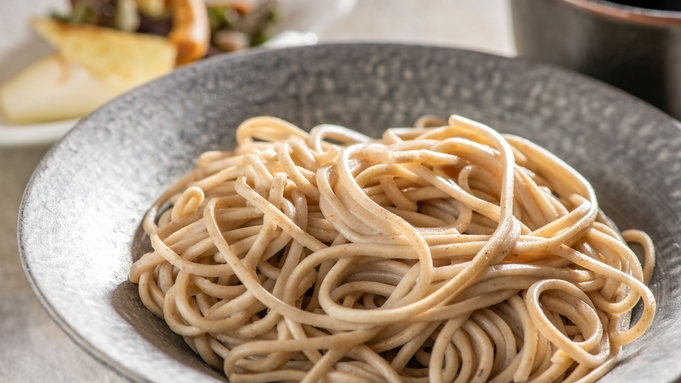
x=628, y=13
x=111, y=362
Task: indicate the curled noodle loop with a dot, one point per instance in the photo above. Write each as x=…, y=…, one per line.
x=446, y=252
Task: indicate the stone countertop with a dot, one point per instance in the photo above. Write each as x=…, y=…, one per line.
x=34, y=348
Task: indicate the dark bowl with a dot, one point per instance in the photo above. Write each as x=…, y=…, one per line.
x=80, y=217
x=633, y=48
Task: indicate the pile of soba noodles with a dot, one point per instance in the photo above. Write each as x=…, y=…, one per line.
x=446, y=252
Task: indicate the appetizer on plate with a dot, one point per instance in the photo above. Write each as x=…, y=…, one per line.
x=107, y=47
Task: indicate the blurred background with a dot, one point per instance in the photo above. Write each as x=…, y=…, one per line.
x=481, y=25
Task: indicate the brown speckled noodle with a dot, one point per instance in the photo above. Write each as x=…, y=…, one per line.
x=80, y=217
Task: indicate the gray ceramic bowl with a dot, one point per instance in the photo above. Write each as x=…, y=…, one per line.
x=81, y=214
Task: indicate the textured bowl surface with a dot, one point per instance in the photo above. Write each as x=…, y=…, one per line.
x=81, y=214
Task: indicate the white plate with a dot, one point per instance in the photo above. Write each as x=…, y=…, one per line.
x=35, y=134
x=19, y=46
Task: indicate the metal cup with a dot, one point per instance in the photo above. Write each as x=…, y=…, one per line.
x=635, y=49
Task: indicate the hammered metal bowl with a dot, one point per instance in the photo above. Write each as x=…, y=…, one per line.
x=81, y=214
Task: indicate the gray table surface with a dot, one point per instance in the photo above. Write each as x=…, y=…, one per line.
x=33, y=348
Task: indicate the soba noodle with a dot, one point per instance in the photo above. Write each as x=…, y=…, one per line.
x=446, y=252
